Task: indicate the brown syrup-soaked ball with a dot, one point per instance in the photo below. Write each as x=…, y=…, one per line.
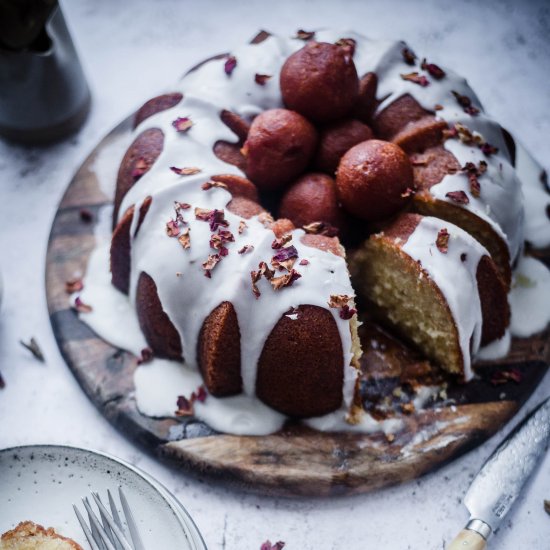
x=280, y=145
x=373, y=180
x=320, y=82
x=338, y=138
x=312, y=198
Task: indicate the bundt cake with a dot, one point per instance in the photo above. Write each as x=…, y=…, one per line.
x=354, y=143
x=31, y=536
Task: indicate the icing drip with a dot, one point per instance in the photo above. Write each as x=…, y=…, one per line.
x=456, y=278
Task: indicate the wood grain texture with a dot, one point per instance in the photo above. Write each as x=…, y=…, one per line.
x=468, y=540
x=296, y=461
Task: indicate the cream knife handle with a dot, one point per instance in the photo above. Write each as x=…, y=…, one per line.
x=468, y=540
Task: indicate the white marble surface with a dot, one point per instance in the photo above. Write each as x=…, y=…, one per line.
x=130, y=51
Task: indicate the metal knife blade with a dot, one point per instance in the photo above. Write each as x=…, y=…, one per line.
x=502, y=477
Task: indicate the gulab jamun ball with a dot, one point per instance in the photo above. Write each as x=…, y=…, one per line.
x=320, y=82
x=279, y=146
x=374, y=180
x=312, y=198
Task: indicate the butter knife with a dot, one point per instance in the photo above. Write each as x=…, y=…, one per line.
x=502, y=477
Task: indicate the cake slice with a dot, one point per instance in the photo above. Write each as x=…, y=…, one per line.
x=31, y=536
x=436, y=286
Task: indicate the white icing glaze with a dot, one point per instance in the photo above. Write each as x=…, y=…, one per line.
x=496, y=349
x=530, y=297
x=537, y=198
x=207, y=91
x=455, y=278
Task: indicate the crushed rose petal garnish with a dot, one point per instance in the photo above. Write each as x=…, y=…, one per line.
x=500, y=377
x=185, y=238
x=261, y=79
x=408, y=56
x=433, y=70
x=182, y=124
x=279, y=545
x=348, y=45
x=189, y=171
x=242, y=227
x=459, y=197
x=281, y=241
x=442, y=241
x=304, y=35
x=210, y=264
x=207, y=185
x=81, y=307
x=230, y=65
x=75, y=285
x=416, y=78
x=245, y=249
x=466, y=103
x=304, y=262
x=285, y=258
x=321, y=228
x=172, y=228
x=285, y=280
x=185, y=407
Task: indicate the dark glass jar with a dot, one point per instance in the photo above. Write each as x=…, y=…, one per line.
x=44, y=96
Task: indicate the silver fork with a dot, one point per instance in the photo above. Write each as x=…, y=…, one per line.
x=109, y=533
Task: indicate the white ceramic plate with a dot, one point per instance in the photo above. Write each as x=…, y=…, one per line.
x=40, y=483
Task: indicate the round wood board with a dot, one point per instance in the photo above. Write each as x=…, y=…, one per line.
x=296, y=461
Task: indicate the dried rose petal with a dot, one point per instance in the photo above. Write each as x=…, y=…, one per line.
x=209, y=184
x=185, y=171
x=200, y=395
x=265, y=271
x=487, y=149
x=86, y=215
x=230, y=65
x=408, y=56
x=34, y=348
x=347, y=312
x=268, y=546
x=210, y=264
x=255, y=276
x=217, y=219
x=285, y=280
x=305, y=35
x=421, y=80
x=182, y=205
x=321, y=228
x=285, y=258
x=438, y=107
x=281, y=241
x=304, y=262
x=146, y=356
x=442, y=241
x=242, y=227
x=261, y=79
x=219, y=239
x=339, y=300
x=141, y=166
x=81, y=307
x=466, y=103
x=246, y=248
x=433, y=69
x=172, y=228
x=182, y=124
x=74, y=285
x=185, y=238
x=185, y=407
x=202, y=214
x=458, y=196
x=348, y=45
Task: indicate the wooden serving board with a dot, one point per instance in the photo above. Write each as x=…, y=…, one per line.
x=296, y=461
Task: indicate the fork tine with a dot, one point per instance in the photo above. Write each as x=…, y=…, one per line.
x=130, y=521
x=118, y=533
x=106, y=527
x=86, y=529
x=95, y=532
x=114, y=510
x=95, y=522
